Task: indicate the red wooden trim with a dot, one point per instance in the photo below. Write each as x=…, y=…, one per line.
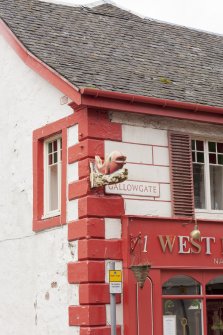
x=85, y=149
x=37, y=179
x=129, y=285
x=164, y=103
x=87, y=315
x=157, y=301
x=150, y=109
x=38, y=182
x=99, y=249
x=55, y=221
x=178, y=220
x=182, y=193
x=95, y=294
x=84, y=272
x=129, y=303
x=151, y=100
x=107, y=206
x=38, y=66
x=56, y=126
x=39, y=135
x=145, y=315
x=86, y=228
x=106, y=330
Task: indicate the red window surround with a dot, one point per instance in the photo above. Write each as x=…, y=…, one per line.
x=39, y=136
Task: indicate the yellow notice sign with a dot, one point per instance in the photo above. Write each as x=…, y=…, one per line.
x=115, y=276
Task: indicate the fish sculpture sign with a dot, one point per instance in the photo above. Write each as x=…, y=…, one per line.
x=109, y=172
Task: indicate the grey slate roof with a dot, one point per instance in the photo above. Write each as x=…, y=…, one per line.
x=111, y=49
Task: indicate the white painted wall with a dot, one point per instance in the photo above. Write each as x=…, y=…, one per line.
x=147, y=155
x=34, y=292
x=140, y=133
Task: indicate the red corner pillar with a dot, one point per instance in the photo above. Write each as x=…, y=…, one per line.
x=90, y=212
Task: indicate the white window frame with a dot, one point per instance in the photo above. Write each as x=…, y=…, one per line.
x=47, y=212
x=208, y=209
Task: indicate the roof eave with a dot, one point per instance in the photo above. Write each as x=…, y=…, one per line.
x=151, y=105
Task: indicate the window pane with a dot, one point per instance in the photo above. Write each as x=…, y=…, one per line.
x=212, y=146
x=187, y=313
x=53, y=187
x=55, y=145
x=215, y=286
x=193, y=144
x=199, y=190
x=220, y=147
x=55, y=157
x=50, y=160
x=216, y=182
x=212, y=158
x=214, y=317
x=50, y=147
x=181, y=285
x=200, y=157
x=200, y=145
x=61, y=149
x=220, y=159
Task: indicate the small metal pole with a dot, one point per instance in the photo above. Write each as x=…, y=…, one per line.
x=113, y=305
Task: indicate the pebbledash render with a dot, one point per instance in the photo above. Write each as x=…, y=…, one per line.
x=111, y=129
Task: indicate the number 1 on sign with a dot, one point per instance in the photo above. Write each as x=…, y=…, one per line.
x=145, y=243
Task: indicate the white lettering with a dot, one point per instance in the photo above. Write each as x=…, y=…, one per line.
x=167, y=241
x=218, y=261
x=145, y=243
x=208, y=243
x=183, y=244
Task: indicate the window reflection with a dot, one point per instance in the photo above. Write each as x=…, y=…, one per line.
x=187, y=313
x=214, y=317
x=181, y=285
x=215, y=286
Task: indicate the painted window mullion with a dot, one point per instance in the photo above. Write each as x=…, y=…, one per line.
x=207, y=177
x=59, y=165
x=46, y=178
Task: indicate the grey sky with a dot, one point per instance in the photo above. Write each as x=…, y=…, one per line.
x=200, y=14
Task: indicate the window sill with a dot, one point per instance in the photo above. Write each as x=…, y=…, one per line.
x=51, y=215
x=47, y=223
x=209, y=215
